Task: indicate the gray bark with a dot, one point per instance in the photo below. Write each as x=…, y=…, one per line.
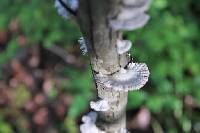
x=93, y=18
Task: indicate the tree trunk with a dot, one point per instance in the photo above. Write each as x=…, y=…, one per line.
x=93, y=18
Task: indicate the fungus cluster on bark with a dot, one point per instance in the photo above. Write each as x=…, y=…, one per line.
x=83, y=46
x=131, y=16
x=132, y=76
x=100, y=105
x=88, y=125
x=123, y=46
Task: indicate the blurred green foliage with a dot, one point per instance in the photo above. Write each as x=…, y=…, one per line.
x=21, y=96
x=5, y=127
x=169, y=44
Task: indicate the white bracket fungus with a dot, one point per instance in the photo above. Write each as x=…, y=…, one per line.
x=133, y=9
x=133, y=77
x=88, y=125
x=137, y=3
x=83, y=46
x=123, y=46
x=131, y=15
x=73, y=4
x=101, y=105
x=123, y=130
x=130, y=24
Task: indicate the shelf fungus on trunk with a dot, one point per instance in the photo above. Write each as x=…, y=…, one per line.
x=83, y=46
x=131, y=15
x=88, y=125
x=137, y=3
x=123, y=46
x=130, y=24
x=100, y=105
x=135, y=8
x=133, y=77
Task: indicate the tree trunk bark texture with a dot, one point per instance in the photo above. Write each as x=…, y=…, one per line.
x=93, y=18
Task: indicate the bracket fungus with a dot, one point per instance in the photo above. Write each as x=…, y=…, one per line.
x=133, y=77
x=83, y=46
x=101, y=105
x=123, y=46
x=88, y=125
x=137, y=3
x=131, y=15
x=136, y=22
x=133, y=9
x=123, y=130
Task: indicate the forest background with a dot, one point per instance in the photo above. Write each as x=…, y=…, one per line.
x=46, y=84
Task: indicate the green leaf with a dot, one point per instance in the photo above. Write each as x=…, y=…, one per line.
x=21, y=96
x=5, y=127
x=136, y=99
x=79, y=104
x=155, y=103
x=70, y=125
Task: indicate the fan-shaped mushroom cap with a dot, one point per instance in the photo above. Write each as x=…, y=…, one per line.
x=133, y=78
x=88, y=125
x=131, y=15
x=132, y=9
x=130, y=24
x=123, y=46
x=137, y=3
x=101, y=105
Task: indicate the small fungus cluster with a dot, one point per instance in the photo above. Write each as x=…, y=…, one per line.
x=88, y=125
x=131, y=16
x=83, y=46
x=100, y=105
x=123, y=46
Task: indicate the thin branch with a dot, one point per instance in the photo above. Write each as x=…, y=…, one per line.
x=68, y=8
x=69, y=59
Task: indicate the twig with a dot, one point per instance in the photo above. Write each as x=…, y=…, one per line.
x=67, y=58
x=68, y=8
